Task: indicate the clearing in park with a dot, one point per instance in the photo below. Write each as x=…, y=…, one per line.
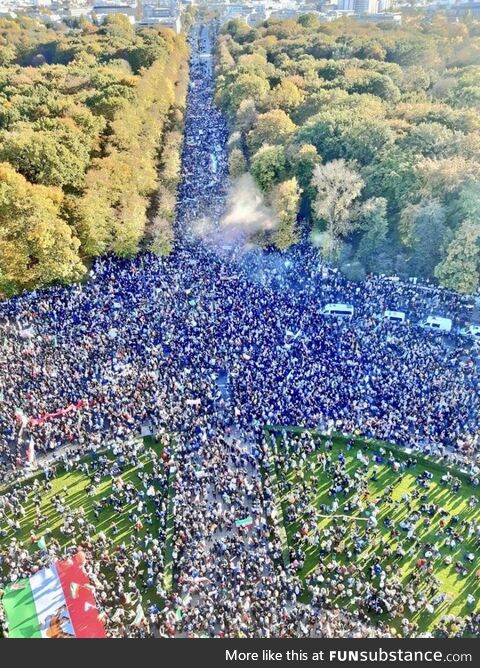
x=367, y=523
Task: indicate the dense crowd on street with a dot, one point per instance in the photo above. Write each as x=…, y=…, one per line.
x=211, y=346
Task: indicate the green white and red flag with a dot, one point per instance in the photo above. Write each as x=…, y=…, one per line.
x=55, y=602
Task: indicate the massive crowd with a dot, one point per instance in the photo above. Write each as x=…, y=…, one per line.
x=211, y=347
x=374, y=541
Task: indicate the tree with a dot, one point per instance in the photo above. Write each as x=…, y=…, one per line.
x=302, y=159
x=48, y=157
x=309, y=21
x=237, y=165
x=255, y=63
x=37, y=247
x=274, y=127
x=415, y=79
x=395, y=106
x=446, y=175
x=337, y=100
x=459, y=268
x=423, y=230
x=129, y=224
x=7, y=56
x=431, y=140
x=392, y=174
x=91, y=219
x=239, y=30
x=161, y=240
x=170, y=162
x=285, y=200
x=225, y=60
x=285, y=96
x=246, y=116
x=111, y=100
x=372, y=220
x=338, y=186
x=341, y=134
x=268, y=166
x=245, y=86
x=376, y=84
x=84, y=123
x=465, y=94
x=118, y=25
x=467, y=205
x=412, y=49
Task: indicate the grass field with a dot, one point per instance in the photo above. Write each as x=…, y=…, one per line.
x=313, y=482
x=73, y=487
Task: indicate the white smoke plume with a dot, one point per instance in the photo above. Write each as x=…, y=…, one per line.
x=246, y=214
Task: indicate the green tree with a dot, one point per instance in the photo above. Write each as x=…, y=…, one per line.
x=274, y=127
x=372, y=221
x=247, y=86
x=423, y=229
x=118, y=25
x=246, y=115
x=459, y=268
x=341, y=134
x=268, y=166
x=302, y=159
x=286, y=96
x=48, y=157
x=7, y=55
x=467, y=205
x=237, y=165
x=309, y=21
x=392, y=174
x=111, y=100
x=376, y=84
x=285, y=200
x=432, y=140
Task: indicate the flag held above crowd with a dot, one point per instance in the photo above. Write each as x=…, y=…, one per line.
x=55, y=602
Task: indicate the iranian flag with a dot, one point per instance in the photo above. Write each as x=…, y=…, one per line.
x=56, y=602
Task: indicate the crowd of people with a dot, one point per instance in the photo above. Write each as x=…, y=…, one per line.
x=379, y=553
x=211, y=346
x=125, y=564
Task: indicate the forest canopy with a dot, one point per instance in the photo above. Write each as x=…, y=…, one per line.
x=379, y=128
x=90, y=137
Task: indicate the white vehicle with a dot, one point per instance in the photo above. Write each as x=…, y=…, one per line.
x=341, y=310
x=394, y=316
x=435, y=323
x=471, y=331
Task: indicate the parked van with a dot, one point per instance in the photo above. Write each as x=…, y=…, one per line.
x=342, y=310
x=471, y=331
x=435, y=323
x=395, y=316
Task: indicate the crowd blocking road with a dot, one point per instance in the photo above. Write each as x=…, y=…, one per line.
x=147, y=341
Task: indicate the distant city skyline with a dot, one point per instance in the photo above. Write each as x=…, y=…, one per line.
x=168, y=13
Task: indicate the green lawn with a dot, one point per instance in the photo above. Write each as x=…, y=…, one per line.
x=77, y=497
x=311, y=484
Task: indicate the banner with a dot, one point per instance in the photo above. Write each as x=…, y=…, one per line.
x=56, y=602
x=34, y=421
x=246, y=522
